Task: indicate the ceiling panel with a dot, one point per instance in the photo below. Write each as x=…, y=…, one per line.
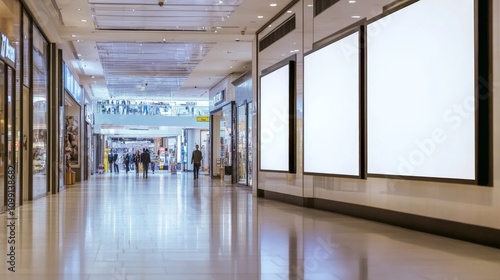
x=168, y=2
x=193, y=15
x=156, y=69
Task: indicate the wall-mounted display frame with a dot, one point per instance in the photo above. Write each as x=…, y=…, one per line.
x=427, y=93
x=277, y=126
x=334, y=108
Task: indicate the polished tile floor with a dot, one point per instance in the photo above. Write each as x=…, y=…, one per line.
x=118, y=226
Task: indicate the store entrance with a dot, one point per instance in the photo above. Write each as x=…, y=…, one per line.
x=244, y=145
x=222, y=145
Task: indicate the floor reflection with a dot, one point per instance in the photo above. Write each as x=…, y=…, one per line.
x=118, y=226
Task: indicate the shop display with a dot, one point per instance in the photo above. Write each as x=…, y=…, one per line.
x=39, y=151
x=72, y=139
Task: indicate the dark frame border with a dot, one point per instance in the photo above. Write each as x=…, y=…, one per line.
x=291, y=62
x=484, y=116
x=327, y=41
x=483, y=168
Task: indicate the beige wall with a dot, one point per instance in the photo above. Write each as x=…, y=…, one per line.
x=455, y=202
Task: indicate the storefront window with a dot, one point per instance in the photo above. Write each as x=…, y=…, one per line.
x=9, y=37
x=249, y=146
x=26, y=50
x=17, y=98
x=40, y=94
x=10, y=117
x=242, y=145
x=225, y=135
x=2, y=135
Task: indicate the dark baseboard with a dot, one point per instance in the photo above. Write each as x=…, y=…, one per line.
x=290, y=199
x=461, y=231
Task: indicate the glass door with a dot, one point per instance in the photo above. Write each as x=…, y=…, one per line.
x=242, y=145
x=40, y=115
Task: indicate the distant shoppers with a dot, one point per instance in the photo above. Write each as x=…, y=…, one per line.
x=145, y=159
x=196, y=161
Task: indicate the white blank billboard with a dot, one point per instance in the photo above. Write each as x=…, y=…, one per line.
x=420, y=91
x=331, y=108
x=274, y=120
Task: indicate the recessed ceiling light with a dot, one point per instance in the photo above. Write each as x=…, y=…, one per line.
x=355, y=16
x=73, y=35
x=84, y=20
x=309, y=6
x=219, y=27
x=260, y=16
x=289, y=12
x=79, y=9
x=352, y=1
x=79, y=54
x=93, y=77
x=273, y=5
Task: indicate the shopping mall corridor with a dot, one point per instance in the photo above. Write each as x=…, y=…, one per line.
x=119, y=226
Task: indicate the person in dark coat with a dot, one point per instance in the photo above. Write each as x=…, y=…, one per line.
x=115, y=162
x=110, y=162
x=196, y=161
x=127, y=163
x=145, y=159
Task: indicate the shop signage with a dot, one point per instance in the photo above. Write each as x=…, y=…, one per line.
x=203, y=119
x=219, y=97
x=71, y=85
x=8, y=51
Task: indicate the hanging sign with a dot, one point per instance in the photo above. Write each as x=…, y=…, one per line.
x=8, y=52
x=203, y=119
